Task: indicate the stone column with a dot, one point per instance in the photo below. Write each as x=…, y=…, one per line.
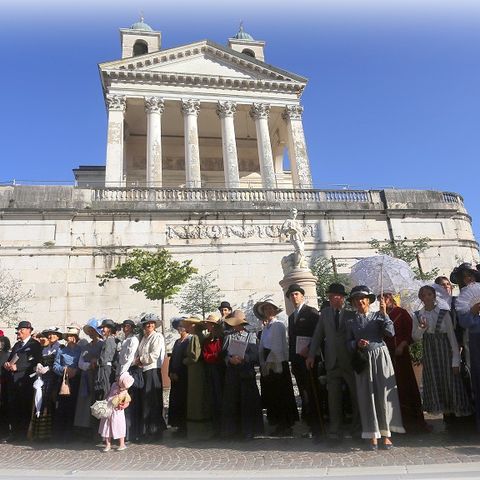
x=190, y=110
x=260, y=112
x=226, y=111
x=297, y=148
x=154, y=107
x=114, y=175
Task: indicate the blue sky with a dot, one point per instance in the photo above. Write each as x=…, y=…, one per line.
x=393, y=98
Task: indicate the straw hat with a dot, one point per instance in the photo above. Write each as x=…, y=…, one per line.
x=236, y=318
x=212, y=318
x=71, y=330
x=192, y=319
x=258, y=309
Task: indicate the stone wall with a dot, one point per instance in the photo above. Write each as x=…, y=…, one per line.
x=58, y=239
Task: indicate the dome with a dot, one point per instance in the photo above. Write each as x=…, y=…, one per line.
x=141, y=25
x=242, y=34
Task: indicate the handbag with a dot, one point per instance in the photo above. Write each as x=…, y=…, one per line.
x=101, y=409
x=65, y=386
x=359, y=360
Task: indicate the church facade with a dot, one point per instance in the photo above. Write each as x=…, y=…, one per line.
x=196, y=141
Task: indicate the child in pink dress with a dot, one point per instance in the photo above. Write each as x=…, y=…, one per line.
x=115, y=426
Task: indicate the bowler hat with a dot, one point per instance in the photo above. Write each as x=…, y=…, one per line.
x=24, y=324
x=225, y=305
x=337, y=288
x=457, y=272
x=362, y=291
x=294, y=287
x=236, y=318
x=258, y=309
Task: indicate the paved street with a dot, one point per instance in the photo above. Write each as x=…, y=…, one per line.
x=436, y=455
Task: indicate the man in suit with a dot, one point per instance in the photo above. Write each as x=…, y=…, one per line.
x=21, y=363
x=331, y=332
x=301, y=325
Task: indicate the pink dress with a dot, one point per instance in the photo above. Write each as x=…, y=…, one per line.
x=114, y=426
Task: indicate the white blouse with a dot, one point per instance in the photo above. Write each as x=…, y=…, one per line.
x=127, y=353
x=445, y=327
x=151, y=351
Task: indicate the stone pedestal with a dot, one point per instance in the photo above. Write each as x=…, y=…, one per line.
x=307, y=281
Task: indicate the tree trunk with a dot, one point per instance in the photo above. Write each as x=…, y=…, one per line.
x=163, y=316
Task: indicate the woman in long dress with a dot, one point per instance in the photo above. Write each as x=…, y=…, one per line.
x=443, y=390
x=150, y=355
x=105, y=373
x=87, y=364
x=178, y=373
x=398, y=346
x=276, y=381
x=242, y=405
x=376, y=386
x=199, y=408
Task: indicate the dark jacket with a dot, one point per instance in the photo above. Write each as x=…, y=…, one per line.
x=28, y=356
x=303, y=326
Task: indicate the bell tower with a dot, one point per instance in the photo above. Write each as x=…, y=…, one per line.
x=139, y=39
x=244, y=43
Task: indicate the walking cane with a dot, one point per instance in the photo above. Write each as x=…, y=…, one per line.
x=317, y=402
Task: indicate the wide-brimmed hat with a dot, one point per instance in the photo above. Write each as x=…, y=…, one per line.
x=125, y=380
x=71, y=330
x=109, y=323
x=212, y=318
x=192, y=319
x=130, y=322
x=455, y=276
x=52, y=330
x=236, y=318
x=258, y=309
x=362, y=291
x=294, y=287
x=225, y=305
x=24, y=324
x=92, y=326
x=337, y=288
x=149, y=318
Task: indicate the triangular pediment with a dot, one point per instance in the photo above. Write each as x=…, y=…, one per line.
x=205, y=59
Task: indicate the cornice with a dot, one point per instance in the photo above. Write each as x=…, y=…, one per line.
x=135, y=70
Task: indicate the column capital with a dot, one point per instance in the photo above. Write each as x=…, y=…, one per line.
x=116, y=102
x=260, y=110
x=292, y=112
x=154, y=105
x=226, y=108
x=191, y=107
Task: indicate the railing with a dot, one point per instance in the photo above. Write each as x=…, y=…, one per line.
x=136, y=194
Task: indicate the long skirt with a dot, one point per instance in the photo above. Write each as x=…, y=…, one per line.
x=152, y=404
x=443, y=392
x=278, y=398
x=474, y=341
x=65, y=412
x=215, y=381
x=177, y=404
x=242, y=409
x=41, y=426
x=408, y=393
x=86, y=398
x=378, y=396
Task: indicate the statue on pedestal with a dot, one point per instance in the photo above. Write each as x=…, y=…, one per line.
x=296, y=260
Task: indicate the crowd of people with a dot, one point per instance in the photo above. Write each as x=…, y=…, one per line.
x=352, y=367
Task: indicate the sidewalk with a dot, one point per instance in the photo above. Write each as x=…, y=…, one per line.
x=264, y=457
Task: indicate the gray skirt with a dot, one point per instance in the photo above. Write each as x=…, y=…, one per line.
x=378, y=396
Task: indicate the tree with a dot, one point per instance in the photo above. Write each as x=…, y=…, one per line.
x=157, y=275
x=200, y=296
x=11, y=298
x=325, y=269
x=409, y=251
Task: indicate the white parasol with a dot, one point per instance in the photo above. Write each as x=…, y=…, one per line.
x=383, y=273
x=469, y=296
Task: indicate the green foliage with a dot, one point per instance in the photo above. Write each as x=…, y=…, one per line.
x=200, y=296
x=325, y=269
x=416, y=352
x=157, y=274
x=408, y=251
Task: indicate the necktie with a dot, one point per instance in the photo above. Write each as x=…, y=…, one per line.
x=337, y=319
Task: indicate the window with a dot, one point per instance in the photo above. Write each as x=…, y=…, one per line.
x=248, y=52
x=140, y=48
